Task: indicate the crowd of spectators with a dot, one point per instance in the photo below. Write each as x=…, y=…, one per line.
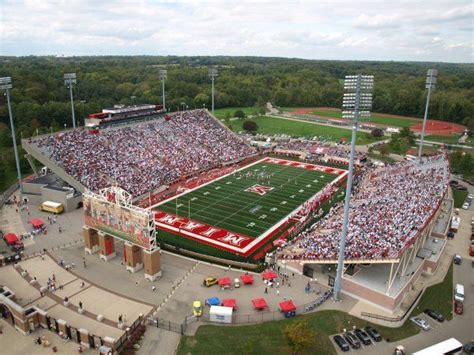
x=142, y=157
x=317, y=149
x=389, y=206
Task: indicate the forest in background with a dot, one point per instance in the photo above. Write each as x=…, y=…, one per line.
x=41, y=101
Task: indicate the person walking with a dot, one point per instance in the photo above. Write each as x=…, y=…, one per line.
x=84, y=261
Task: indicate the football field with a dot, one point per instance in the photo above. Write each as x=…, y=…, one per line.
x=245, y=205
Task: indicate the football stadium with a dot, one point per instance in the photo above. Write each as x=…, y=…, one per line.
x=213, y=196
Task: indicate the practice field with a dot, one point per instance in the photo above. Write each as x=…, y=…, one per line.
x=300, y=128
x=240, y=211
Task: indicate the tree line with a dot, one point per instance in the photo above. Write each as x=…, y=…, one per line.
x=41, y=101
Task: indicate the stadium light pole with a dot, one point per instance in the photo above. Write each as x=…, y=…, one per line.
x=212, y=75
x=69, y=81
x=6, y=85
x=357, y=103
x=431, y=78
x=163, y=75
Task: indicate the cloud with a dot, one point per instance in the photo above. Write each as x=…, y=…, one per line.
x=377, y=22
x=363, y=30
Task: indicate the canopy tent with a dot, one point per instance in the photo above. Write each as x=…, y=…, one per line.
x=229, y=302
x=224, y=281
x=269, y=275
x=259, y=303
x=213, y=301
x=36, y=223
x=11, y=238
x=247, y=279
x=287, y=306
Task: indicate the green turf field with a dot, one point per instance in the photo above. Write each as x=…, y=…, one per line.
x=225, y=203
x=385, y=120
x=274, y=125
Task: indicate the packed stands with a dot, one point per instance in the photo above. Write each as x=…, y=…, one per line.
x=389, y=207
x=142, y=157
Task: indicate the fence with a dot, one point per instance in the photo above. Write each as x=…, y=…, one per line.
x=265, y=316
x=6, y=195
x=161, y=323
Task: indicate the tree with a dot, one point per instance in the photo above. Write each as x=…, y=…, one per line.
x=408, y=135
x=377, y=132
x=201, y=99
x=239, y=114
x=383, y=149
x=250, y=126
x=299, y=336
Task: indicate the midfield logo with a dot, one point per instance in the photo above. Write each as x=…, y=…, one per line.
x=259, y=189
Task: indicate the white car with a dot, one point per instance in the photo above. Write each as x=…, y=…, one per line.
x=421, y=323
x=465, y=206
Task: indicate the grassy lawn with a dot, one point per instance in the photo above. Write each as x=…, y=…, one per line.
x=385, y=120
x=272, y=125
x=438, y=297
x=268, y=338
x=249, y=111
x=451, y=139
x=459, y=197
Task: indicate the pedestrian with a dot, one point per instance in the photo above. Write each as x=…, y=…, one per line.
x=266, y=290
x=278, y=292
x=84, y=261
x=54, y=277
x=153, y=289
x=80, y=304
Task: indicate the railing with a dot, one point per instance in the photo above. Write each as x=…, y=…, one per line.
x=6, y=195
x=161, y=323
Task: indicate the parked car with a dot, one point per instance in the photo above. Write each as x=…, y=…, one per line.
x=362, y=335
x=339, y=340
x=421, y=323
x=457, y=259
x=209, y=281
x=458, y=307
x=459, y=293
x=197, y=308
x=469, y=348
x=374, y=334
x=471, y=250
x=465, y=206
x=460, y=187
x=352, y=340
x=451, y=234
x=453, y=183
x=434, y=314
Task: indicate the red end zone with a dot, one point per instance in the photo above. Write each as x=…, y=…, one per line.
x=231, y=241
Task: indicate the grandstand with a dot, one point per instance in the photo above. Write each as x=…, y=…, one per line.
x=392, y=214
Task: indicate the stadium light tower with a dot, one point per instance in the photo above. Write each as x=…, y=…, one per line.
x=430, y=84
x=163, y=75
x=69, y=81
x=6, y=85
x=356, y=105
x=212, y=75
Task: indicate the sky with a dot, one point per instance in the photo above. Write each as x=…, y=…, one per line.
x=398, y=30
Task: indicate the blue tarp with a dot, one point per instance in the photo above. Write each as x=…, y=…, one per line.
x=213, y=301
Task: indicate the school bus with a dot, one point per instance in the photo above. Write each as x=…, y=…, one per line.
x=53, y=207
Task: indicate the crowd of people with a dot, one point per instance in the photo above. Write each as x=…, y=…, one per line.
x=142, y=157
x=389, y=207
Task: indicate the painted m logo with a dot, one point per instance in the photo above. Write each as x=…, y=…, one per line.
x=233, y=239
x=259, y=189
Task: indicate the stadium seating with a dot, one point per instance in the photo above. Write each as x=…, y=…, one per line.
x=389, y=207
x=142, y=157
